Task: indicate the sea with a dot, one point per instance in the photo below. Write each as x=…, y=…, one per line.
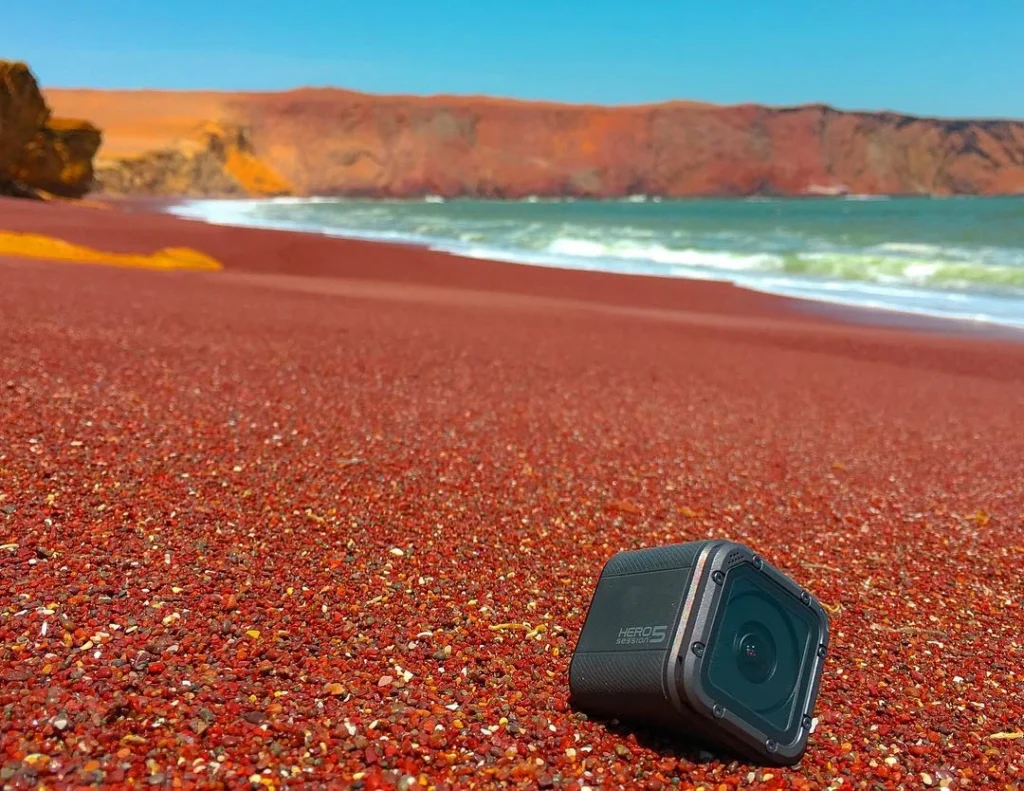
x=958, y=258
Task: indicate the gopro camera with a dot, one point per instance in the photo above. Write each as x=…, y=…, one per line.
x=707, y=640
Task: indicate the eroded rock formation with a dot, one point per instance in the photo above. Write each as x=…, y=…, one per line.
x=216, y=160
x=39, y=153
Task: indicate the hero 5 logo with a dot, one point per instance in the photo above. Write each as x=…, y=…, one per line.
x=641, y=635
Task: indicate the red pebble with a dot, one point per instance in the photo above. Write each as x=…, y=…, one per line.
x=337, y=464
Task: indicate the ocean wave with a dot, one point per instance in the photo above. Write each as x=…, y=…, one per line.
x=985, y=254
x=910, y=271
x=659, y=254
x=913, y=248
x=974, y=308
x=765, y=251
x=671, y=251
x=550, y=259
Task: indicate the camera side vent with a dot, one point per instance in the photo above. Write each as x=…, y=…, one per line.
x=734, y=559
x=672, y=556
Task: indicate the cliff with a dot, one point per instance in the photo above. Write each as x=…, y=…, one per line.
x=215, y=159
x=335, y=142
x=39, y=153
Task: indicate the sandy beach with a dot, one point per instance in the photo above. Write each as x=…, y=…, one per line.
x=332, y=515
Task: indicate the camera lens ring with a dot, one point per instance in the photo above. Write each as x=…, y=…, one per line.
x=748, y=601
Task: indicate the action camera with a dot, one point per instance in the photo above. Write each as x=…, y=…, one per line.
x=708, y=641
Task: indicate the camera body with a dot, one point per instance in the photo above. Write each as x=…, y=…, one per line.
x=707, y=640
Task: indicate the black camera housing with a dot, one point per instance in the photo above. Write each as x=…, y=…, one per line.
x=708, y=640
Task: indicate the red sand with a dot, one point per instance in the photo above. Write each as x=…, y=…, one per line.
x=205, y=480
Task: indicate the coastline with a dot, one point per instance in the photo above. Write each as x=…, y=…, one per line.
x=335, y=513
x=855, y=301
x=299, y=253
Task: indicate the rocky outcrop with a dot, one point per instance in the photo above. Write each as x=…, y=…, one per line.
x=38, y=153
x=334, y=142
x=58, y=158
x=216, y=160
x=22, y=110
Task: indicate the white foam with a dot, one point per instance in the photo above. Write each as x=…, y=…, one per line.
x=910, y=247
x=910, y=277
x=855, y=300
x=222, y=212
x=581, y=247
x=920, y=271
x=659, y=254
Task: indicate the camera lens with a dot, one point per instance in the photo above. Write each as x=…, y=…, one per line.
x=755, y=653
x=758, y=649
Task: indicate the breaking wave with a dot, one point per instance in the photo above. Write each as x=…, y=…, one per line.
x=835, y=251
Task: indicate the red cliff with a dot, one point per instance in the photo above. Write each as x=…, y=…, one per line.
x=335, y=142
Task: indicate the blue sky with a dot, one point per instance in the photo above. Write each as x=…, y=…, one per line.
x=935, y=58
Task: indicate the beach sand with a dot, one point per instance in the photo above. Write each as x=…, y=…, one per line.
x=334, y=513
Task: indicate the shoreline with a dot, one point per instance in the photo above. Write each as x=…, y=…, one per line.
x=265, y=251
x=847, y=312
x=852, y=309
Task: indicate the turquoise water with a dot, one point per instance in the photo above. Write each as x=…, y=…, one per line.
x=957, y=257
